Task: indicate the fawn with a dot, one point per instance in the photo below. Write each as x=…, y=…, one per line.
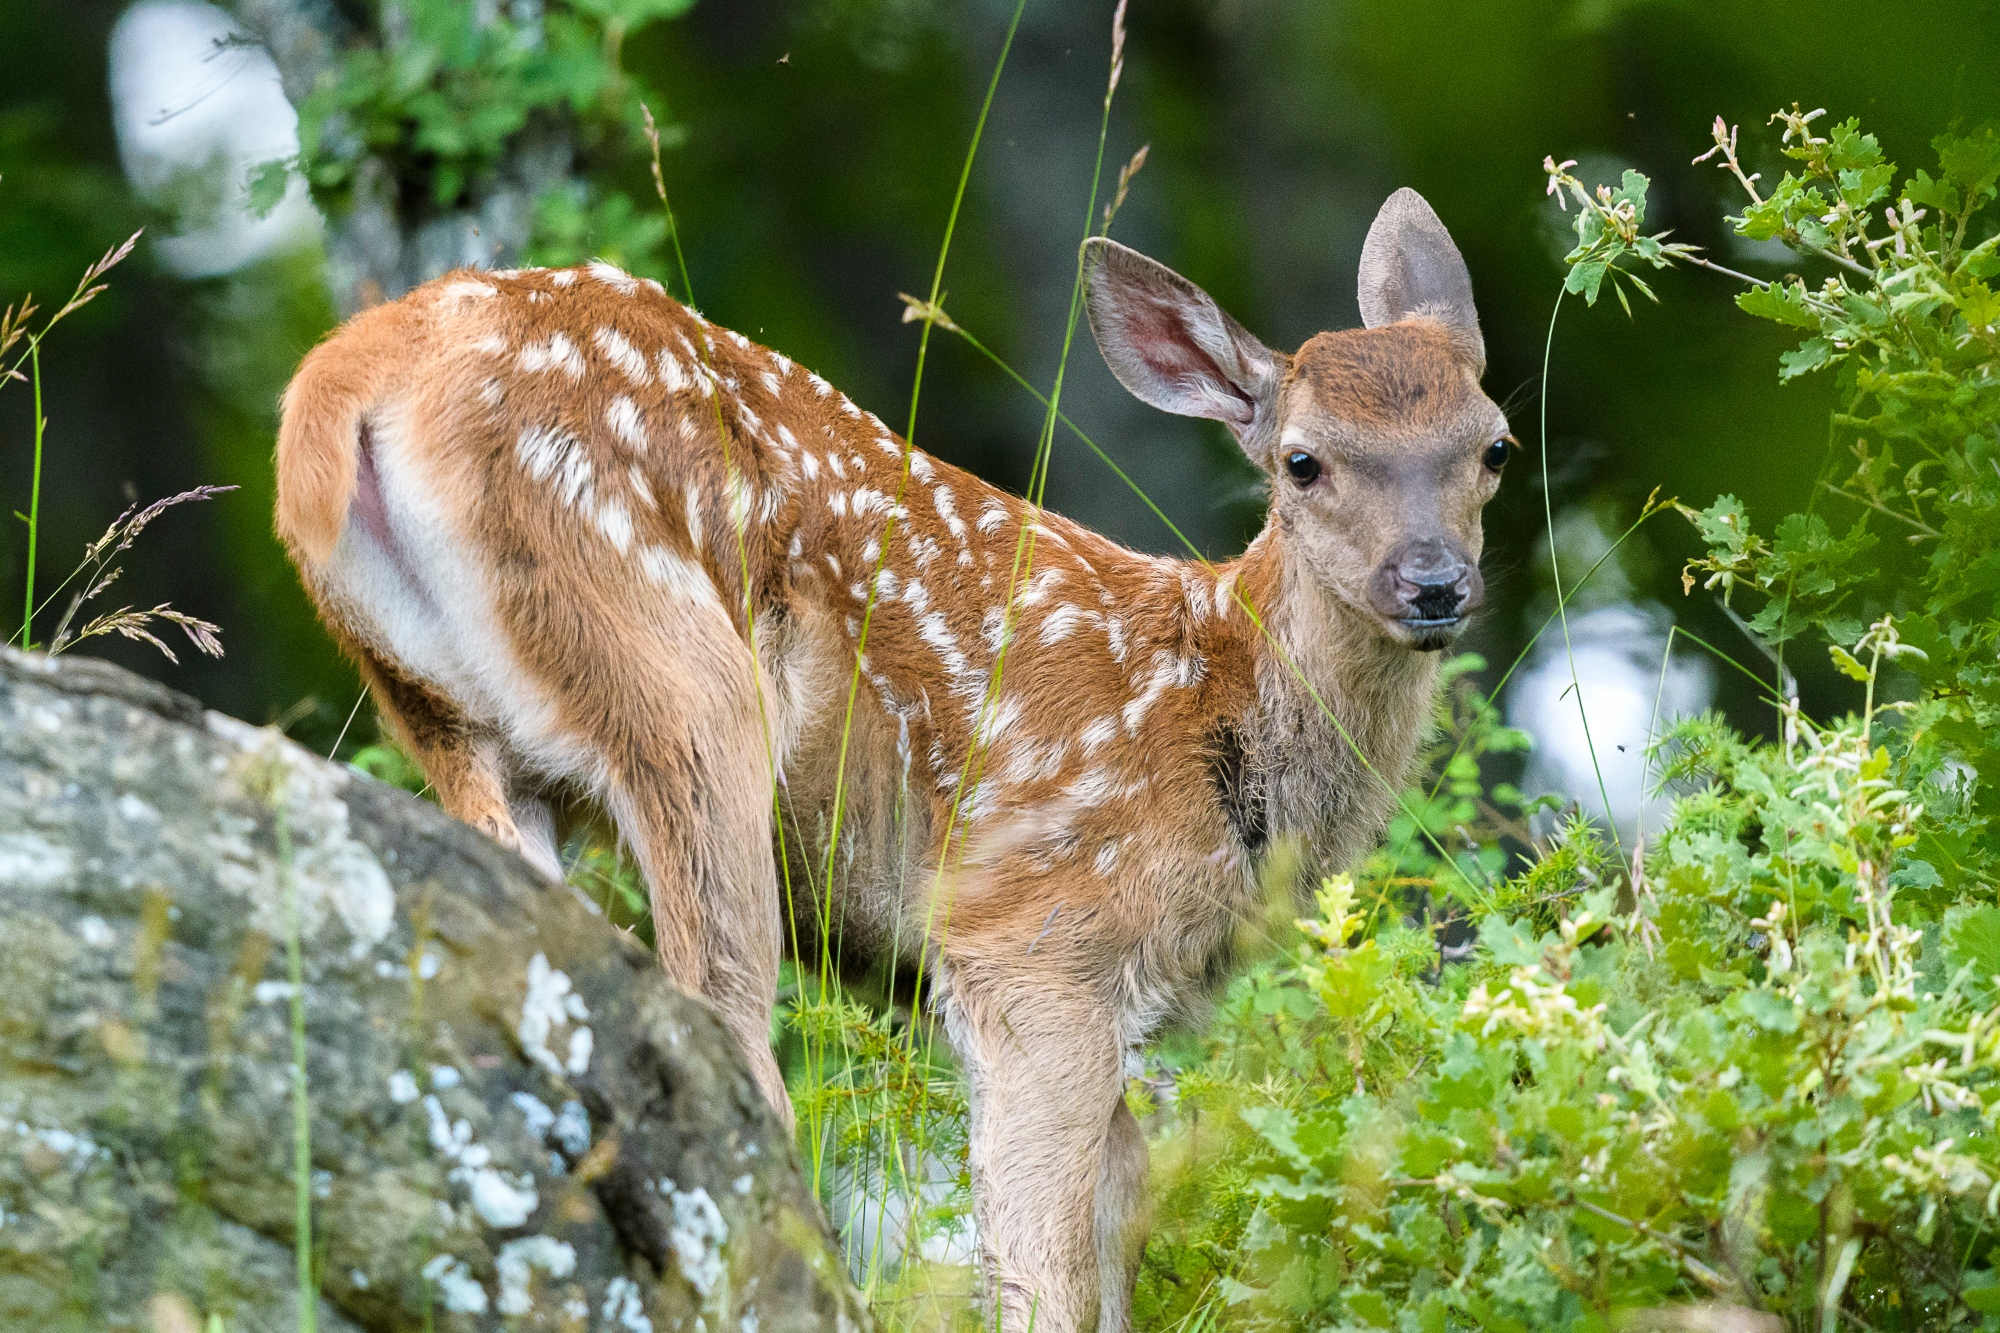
x=574, y=534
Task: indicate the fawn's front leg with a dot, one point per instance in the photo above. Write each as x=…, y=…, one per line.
x=1043, y=1063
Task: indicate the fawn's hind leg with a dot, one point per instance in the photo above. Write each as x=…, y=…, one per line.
x=467, y=768
x=673, y=722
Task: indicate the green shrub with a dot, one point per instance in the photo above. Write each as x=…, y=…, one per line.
x=1747, y=1081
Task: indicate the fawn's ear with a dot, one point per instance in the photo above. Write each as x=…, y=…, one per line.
x=1169, y=343
x=1410, y=267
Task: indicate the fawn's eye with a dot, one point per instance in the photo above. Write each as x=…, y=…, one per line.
x=1497, y=454
x=1303, y=467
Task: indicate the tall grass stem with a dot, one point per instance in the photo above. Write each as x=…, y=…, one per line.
x=1555, y=572
x=34, y=499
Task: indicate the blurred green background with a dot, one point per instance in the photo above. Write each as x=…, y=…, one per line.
x=813, y=149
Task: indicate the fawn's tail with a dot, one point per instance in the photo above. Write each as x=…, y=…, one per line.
x=321, y=418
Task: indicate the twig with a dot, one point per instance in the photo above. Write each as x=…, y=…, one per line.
x=1700, y=1271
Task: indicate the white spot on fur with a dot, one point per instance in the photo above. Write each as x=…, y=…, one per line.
x=558, y=353
x=572, y=483
x=694, y=515
x=563, y=277
x=1165, y=668
x=1097, y=734
x=623, y=355
x=639, y=486
x=672, y=375
x=1040, y=586
x=616, y=525
x=540, y=448
x=991, y=515
x=993, y=629
x=674, y=572
x=613, y=276
x=1062, y=622
x=465, y=291
x=626, y=422
x=492, y=344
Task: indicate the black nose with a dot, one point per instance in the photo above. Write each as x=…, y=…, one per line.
x=1426, y=582
x=1436, y=601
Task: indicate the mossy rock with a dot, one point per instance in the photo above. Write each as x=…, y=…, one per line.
x=515, y=1122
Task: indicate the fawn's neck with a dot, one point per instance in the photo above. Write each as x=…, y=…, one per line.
x=1319, y=656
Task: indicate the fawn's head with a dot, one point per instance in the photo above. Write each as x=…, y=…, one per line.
x=1380, y=446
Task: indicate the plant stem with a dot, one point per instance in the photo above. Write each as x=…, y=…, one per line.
x=34, y=499
x=1555, y=571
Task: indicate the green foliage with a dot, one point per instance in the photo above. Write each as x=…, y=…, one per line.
x=453, y=91
x=1753, y=1073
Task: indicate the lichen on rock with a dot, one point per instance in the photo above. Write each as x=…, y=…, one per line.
x=515, y=1121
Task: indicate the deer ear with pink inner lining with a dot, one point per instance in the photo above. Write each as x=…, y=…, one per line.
x=1409, y=267
x=1174, y=348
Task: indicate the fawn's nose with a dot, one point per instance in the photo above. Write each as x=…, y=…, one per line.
x=1426, y=585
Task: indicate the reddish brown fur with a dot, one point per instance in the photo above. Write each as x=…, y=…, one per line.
x=549, y=586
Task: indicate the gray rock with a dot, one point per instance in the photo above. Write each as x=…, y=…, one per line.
x=514, y=1120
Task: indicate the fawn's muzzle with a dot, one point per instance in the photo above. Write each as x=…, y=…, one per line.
x=1427, y=588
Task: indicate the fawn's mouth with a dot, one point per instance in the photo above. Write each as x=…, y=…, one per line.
x=1431, y=634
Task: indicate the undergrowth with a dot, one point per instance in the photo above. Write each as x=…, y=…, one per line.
x=1747, y=1078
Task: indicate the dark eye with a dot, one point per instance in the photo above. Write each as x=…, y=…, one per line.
x=1303, y=467
x=1497, y=454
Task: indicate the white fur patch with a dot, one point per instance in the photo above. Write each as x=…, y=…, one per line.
x=614, y=277
x=623, y=355
x=626, y=423
x=558, y=353
x=1062, y=622
x=694, y=515
x=671, y=373
x=675, y=572
x=541, y=449
x=464, y=291
x=640, y=488
x=616, y=525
